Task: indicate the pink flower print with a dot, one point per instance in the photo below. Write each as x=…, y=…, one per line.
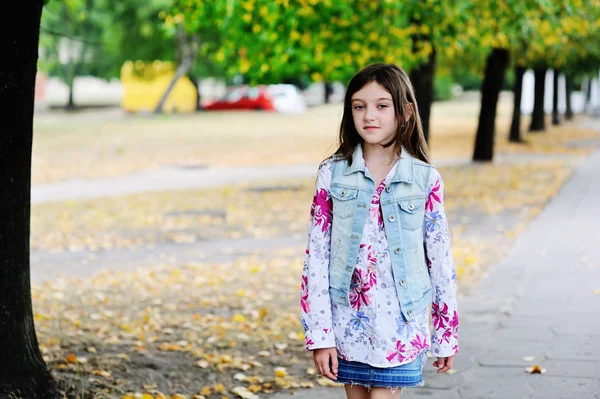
x=446, y=336
x=434, y=195
x=371, y=255
x=377, y=195
x=372, y=276
x=321, y=209
x=428, y=263
x=359, y=291
x=439, y=315
x=398, y=353
x=326, y=330
x=454, y=321
x=419, y=343
x=304, y=299
x=308, y=341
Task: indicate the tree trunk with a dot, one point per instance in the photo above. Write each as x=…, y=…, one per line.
x=568, y=91
x=181, y=71
x=495, y=69
x=538, y=124
x=328, y=91
x=588, y=94
x=23, y=373
x=515, y=127
x=555, y=119
x=71, y=103
x=188, y=50
x=422, y=79
x=196, y=83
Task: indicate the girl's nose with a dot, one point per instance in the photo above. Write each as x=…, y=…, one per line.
x=369, y=114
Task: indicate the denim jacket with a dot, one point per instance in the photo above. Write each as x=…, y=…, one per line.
x=403, y=207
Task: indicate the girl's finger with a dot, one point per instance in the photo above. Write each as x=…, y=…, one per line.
x=325, y=367
x=334, y=365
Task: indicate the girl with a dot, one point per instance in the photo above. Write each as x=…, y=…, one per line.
x=379, y=249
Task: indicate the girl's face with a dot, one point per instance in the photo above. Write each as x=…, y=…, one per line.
x=373, y=113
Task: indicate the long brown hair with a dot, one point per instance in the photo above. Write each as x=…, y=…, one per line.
x=409, y=133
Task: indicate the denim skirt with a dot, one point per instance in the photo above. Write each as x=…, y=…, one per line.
x=403, y=376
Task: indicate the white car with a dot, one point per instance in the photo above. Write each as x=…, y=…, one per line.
x=287, y=98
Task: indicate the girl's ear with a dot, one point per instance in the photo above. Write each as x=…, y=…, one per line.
x=408, y=111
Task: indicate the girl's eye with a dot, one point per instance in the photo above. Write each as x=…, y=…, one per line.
x=383, y=105
x=358, y=107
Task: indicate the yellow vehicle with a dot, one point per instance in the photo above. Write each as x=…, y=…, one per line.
x=144, y=83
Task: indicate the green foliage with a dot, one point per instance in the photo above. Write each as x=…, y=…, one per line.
x=443, y=85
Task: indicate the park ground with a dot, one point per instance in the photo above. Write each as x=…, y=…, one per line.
x=194, y=292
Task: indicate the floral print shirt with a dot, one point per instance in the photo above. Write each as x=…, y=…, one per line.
x=373, y=330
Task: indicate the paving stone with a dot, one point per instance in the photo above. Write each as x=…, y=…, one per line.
x=495, y=383
x=572, y=368
x=573, y=347
x=512, y=358
x=430, y=394
x=563, y=387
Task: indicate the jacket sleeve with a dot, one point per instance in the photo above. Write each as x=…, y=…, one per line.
x=438, y=251
x=315, y=301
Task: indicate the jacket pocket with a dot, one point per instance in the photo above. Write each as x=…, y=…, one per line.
x=344, y=201
x=412, y=212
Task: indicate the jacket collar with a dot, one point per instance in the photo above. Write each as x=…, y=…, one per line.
x=404, y=170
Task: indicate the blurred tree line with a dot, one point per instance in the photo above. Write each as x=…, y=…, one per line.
x=476, y=44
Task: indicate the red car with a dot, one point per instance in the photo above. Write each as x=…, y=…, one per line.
x=244, y=97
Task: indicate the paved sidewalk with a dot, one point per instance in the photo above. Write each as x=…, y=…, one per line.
x=179, y=178
x=540, y=301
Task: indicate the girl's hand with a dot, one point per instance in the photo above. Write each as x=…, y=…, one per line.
x=444, y=363
x=326, y=362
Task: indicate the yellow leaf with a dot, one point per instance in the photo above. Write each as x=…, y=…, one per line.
x=71, y=358
x=147, y=396
x=220, y=388
x=239, y=318
x=206, y=391
x=281, y=372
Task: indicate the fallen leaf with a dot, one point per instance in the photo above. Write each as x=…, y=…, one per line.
x=71, y=358
x=535, y=369
x=244, y=393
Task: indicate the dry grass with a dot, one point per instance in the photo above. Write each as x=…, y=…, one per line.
x=80, y=146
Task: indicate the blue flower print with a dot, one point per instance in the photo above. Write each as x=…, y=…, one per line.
x=432, y=221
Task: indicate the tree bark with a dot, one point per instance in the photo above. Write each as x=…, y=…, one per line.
x=196, y=83
x=515, y=127
x=422, y=79
x=71, y=102
x=188, y=48
x=568, y=91
x=555, y=119
x=538, y=124
x=328, y=91
x=495, y=70
x=23, y=373
x=588, y=94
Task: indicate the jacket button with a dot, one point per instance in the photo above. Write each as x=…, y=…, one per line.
x=388, y=189
x=402, y=283
x=411, y=206
x=409, y=313
x=343, y=193
x=397, y=251
x=392, y=218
